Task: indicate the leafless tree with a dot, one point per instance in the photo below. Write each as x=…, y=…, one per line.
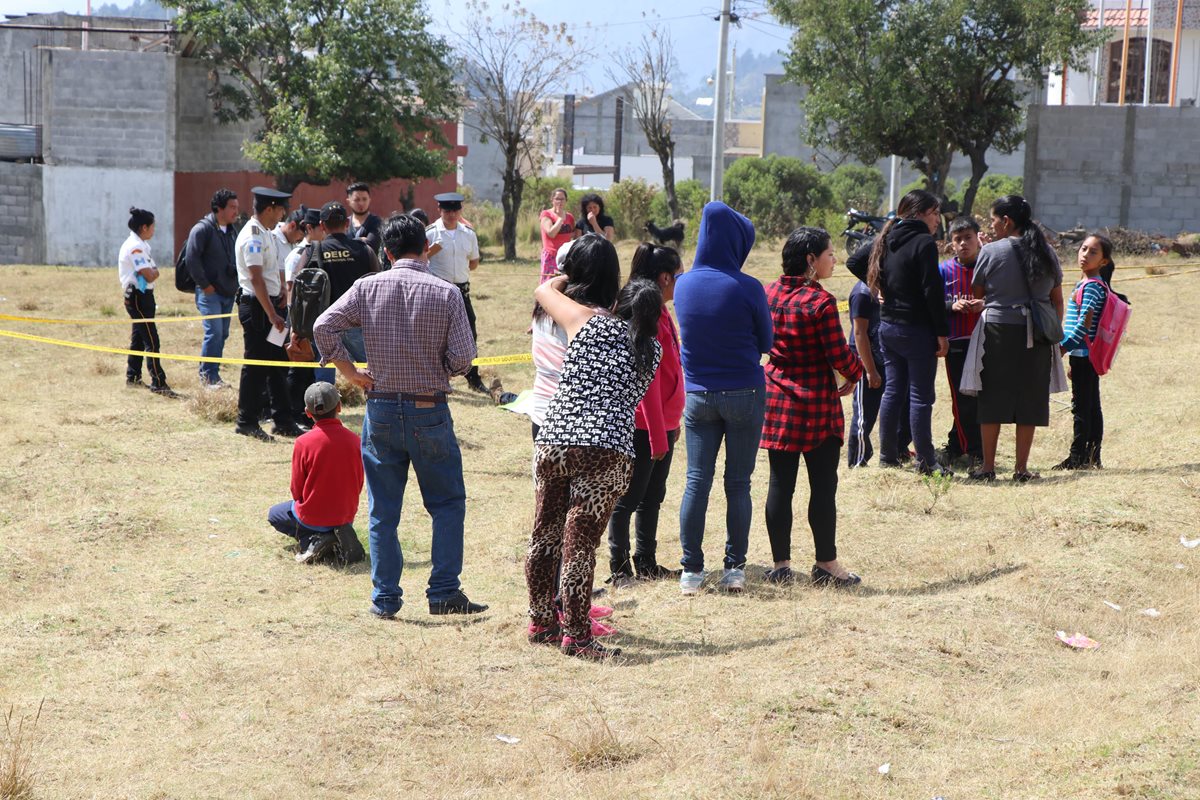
x=509, y=67
x=645, y=70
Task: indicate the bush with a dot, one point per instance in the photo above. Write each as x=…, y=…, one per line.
x=488, y=218
x=991, y=188
x=855, y=186
x=777, y=193
x=628, y=203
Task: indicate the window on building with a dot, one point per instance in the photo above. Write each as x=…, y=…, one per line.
x=1160, y=71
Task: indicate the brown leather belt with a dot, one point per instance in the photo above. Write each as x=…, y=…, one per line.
x=439, y=397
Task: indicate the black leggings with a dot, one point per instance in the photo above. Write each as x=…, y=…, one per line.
x=645, y=495
x=1085, y=407
x=822, y=465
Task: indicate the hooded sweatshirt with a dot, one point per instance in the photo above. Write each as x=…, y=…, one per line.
x=912, y=288
x=724, y=321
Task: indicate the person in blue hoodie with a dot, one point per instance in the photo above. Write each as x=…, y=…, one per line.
x=725, y=327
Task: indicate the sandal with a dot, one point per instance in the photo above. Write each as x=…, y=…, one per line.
x=1025, y=477
x=982, y=475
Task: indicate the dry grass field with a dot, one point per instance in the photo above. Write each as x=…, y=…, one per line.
x=176, y=650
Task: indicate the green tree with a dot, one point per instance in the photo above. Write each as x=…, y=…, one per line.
x=923, y=79
x=777, y=192
x=509, y=67
x=344, y=88
x=856, y=186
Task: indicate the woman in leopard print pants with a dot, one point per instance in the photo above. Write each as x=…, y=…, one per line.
x=584, y=451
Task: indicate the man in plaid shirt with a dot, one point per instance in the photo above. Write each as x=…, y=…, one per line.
x=417, y=336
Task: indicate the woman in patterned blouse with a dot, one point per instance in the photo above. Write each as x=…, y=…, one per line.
x=804, y=409
x=584, y=452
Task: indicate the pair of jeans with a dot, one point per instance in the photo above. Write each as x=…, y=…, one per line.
x=352, y=340
x=965, y=437
x=645, y=495
x=395, y=434
x=261, y=385
x=1088, y=435
x=864, y=412
x=282, y=517
x=910, y=353
x=144, y=337
x=216, y=331
x=734, y=416
x=821, y=463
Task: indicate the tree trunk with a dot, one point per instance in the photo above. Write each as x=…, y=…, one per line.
x=979, y=168
x=510, y=201
x=667, y=158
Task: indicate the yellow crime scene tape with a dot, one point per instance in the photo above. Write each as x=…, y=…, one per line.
x=116, y=321
x=517, y=358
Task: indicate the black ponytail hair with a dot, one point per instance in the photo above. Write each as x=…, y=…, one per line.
x=652, y=260
x=1033, y=249
x=1106, y=250
x=139, y=218
x=640, y=304
x=593, y=273
x=912, y=205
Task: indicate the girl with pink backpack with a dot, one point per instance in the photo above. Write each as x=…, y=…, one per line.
x=1095, y=321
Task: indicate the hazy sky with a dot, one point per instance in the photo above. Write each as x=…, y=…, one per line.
x=612, y=25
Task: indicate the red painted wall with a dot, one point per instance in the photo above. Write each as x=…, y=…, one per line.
x=194, y=191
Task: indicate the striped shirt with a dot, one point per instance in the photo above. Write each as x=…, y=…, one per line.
x=414, y=326
x=1086, y=299
x=958, y=284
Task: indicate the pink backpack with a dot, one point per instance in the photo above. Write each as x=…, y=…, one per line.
x=1110, y=329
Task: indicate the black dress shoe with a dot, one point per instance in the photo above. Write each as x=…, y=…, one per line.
x=456, y=603
x=823, y=577
x=254, y=432
x=289, y=431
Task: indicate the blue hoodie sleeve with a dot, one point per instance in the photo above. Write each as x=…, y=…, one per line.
x=764, y=328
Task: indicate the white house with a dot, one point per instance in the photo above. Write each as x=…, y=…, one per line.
x=1174, y=63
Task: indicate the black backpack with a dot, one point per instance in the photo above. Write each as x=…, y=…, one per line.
x=183, y=277
x=310, y=295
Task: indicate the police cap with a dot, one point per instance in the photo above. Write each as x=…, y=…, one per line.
x=451, y=201
x=334, y=213
x=274, y=195
x=312, y=217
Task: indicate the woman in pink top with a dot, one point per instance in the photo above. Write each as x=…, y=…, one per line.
x=657, y=429
x=557, y=229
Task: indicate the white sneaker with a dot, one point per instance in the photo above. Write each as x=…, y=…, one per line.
x=733, y=580
x=689, y=582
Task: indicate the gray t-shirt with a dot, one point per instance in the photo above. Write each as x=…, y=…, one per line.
x=998, y=271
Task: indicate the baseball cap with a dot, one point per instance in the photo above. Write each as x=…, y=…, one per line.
x=321, y=398
x=334, y=212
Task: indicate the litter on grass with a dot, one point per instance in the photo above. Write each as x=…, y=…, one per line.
x=1077, y=641
x=1113, y=606
x=1190, y=544
x=884, y=769
x=504, y=737
x=1151, y=612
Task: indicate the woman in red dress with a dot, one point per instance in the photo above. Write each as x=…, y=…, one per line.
x=809, y=359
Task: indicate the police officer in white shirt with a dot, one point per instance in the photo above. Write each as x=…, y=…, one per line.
x=137, y=272
x=261, y=307
x=453, y=254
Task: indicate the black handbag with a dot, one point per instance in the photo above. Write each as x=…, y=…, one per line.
x=1047, y=327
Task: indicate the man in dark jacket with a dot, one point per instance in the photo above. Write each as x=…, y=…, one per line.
x=346, y=260
x=210, y=260
x=364, y=225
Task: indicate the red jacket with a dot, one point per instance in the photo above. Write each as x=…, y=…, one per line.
x=803, y=408
x=327, y=474
x=662, y=408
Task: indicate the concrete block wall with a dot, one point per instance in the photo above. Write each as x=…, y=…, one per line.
x=22, y=218
x=1101, y=166
x=202, y=144
x=87, y=208
x=108, y=108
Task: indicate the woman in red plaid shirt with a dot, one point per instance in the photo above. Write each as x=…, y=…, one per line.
x=804, y=408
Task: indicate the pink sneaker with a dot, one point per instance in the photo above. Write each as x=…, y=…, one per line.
x=600, y=629
x=542, y=634
x=588, y=649
x=600, y=612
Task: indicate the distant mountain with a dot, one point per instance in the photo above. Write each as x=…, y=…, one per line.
x=749, y=81
x=141, y=9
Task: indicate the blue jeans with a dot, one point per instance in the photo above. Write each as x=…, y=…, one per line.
x=352, y=340
x=910, y=353
x=282, y=517
x=735, y=415
x=397, y=433
x=216, y=331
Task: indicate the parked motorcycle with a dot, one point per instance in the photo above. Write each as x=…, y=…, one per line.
x=861, y=228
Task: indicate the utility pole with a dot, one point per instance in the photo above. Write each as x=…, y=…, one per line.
x=718, y=144
x=1148, y=62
